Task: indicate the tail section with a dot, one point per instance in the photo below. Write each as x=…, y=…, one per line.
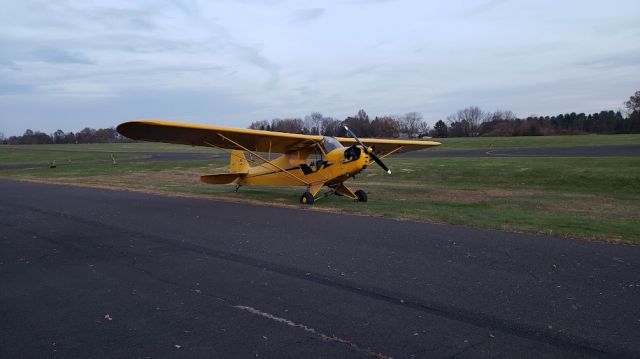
x=238, y=163
x=238, y=168
x=222, y=178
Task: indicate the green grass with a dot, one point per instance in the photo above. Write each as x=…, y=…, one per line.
x=459, y=143
x=612, y=175
x=30, y=156
x=488, y=143
x=595, y=198
x=44, y=154
x=135, y=147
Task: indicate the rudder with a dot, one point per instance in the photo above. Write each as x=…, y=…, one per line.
x=238, y=162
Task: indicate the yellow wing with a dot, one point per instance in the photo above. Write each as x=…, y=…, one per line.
x=386, y=147
x=204, y=135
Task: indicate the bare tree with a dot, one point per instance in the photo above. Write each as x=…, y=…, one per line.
x=634, y=103
x=359, y=124
x=106, y=135
x=331, y=126
x=70, y=138
x=385, y=127
x=412, y=124
x=259, y=125
x=469, y=121
x=501, y=115
x=59, y=137
x=499, y=123
x=313, y=123
x=424, y=129
x=289, y=125
x=457, y=128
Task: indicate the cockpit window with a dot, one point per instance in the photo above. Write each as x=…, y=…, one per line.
x=330, y=143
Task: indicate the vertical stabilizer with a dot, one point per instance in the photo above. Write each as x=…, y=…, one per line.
x=238, y=162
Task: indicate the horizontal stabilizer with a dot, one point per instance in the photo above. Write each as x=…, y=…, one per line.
x=223, y=178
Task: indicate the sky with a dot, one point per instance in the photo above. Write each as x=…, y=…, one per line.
x=74, y=64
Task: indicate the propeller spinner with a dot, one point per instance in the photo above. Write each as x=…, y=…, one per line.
x=368, y=149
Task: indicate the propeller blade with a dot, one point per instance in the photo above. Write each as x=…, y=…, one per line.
x=354, y=136
x=379, y=162
x=372, y=154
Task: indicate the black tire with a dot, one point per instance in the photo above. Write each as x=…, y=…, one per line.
x=362, y=195
x=307, y=198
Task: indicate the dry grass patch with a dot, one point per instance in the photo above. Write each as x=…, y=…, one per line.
x=424, y=192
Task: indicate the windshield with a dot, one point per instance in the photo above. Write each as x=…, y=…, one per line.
x=330, y=143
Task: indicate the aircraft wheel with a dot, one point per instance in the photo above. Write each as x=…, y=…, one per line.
x=307, y=198
x=362, y=195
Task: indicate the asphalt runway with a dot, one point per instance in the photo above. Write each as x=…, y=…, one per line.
x=98, y=273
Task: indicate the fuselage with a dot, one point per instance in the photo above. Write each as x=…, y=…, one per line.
x=335, y=166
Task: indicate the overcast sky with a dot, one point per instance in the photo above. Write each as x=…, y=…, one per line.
x=73, y=64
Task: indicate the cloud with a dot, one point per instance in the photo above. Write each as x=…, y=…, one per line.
x=484, y=7
x=533, y=49
x=113, y=17
x=362, y=70
x=48, y=113
x=613, y=61
x=60, y=56
x=14, y=89
x=69, y=60
x=309, y=14
x=252, y=55
x=372, y=1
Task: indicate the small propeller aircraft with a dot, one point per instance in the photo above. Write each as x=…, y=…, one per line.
x=305, y=160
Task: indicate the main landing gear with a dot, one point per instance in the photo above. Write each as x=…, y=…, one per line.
x=339, y=190
x=362, y=195
x=307, y=198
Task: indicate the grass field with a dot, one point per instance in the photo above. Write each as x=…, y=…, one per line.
x=487, y=143
x=595, y=198
x=134, y=147
x=448, y=144
x=89, y=152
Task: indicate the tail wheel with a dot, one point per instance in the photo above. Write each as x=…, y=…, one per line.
x=307, y=198
x=362, y=195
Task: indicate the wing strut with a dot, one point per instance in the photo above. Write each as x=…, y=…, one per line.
x=392, y=152
x=230, y=152
x=284, y=171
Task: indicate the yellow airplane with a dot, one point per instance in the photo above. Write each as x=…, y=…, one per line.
x=305, y=160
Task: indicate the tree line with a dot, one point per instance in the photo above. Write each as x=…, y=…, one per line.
x=410, y=125
x=472, y=122
x=86, y=135
x=469, y=122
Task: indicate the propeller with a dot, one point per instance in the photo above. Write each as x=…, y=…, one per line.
x=368, y=149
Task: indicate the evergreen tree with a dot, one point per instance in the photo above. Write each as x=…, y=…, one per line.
x=440, y=129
